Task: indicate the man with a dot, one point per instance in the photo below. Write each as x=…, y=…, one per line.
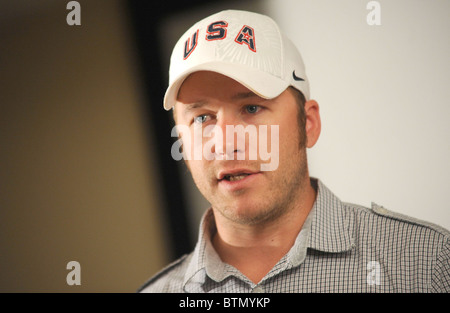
x=271, y=227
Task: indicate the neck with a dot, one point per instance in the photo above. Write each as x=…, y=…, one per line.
x=255, y=249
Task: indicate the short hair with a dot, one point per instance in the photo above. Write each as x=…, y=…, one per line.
x=301, y=114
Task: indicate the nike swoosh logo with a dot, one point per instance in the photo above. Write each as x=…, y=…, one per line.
x=296, y=77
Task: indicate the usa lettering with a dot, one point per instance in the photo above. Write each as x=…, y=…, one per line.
x=218, y=31
x=190, y=45
x=246, y=35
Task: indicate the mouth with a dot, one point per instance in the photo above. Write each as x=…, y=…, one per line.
x=237, y=180
x=234, y=175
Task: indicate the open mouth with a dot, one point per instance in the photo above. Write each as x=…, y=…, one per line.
x=235, y=177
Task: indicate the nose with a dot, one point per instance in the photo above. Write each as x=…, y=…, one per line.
x=227, y=143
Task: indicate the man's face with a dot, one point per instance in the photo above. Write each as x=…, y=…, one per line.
x=238, y=189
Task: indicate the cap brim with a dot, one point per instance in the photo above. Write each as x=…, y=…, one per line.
x=261, y=83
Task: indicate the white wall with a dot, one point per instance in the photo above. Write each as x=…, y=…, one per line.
x=384, y=96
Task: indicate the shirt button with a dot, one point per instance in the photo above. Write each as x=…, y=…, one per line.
x=258, y=289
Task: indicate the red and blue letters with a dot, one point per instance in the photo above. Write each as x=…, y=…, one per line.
x=218, y=31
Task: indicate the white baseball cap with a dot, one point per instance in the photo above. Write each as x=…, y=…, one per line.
x=245, y=46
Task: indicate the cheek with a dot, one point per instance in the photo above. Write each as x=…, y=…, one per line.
x=290, y=142
x=194, y=167
x=191, y=142
x=289, y=130
x=201, y=173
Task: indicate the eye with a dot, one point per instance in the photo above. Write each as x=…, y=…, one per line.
x=252, y=109
x=200, y=119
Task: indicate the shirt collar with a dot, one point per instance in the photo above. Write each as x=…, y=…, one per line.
x=205, y=260
x=326, y=229
x=330, y=229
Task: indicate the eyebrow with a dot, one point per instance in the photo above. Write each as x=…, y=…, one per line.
x=192, y=106
x=188, y=108
x=195, y=105
x=245, y=95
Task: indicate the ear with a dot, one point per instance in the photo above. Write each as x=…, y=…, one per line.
x=313, y=124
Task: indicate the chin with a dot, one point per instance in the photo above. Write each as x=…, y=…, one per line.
x=247, y=213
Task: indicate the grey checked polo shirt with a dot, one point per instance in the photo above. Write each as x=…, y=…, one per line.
x=342, y=247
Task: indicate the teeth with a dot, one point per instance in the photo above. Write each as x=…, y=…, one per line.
x=237, y=177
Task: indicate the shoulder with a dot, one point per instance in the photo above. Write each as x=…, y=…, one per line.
x=387, y=225
x=169, y=279
x=415, y=254
x=380, y=212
